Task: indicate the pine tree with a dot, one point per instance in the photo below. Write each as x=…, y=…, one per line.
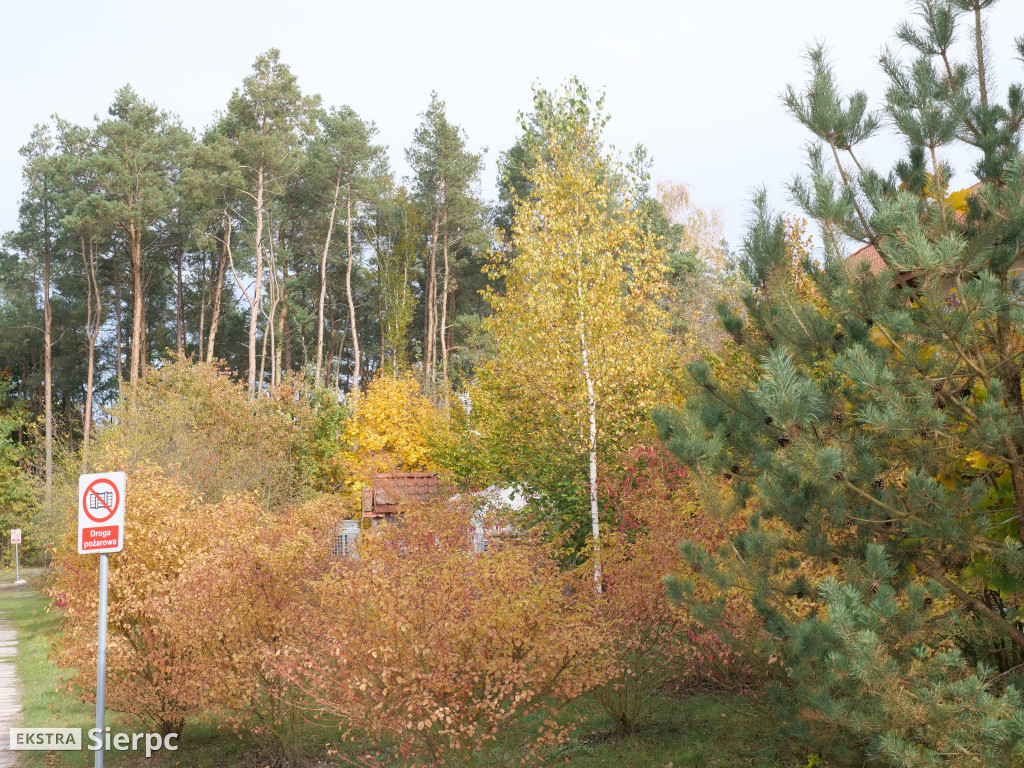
x=877, y=451
x=445, y=178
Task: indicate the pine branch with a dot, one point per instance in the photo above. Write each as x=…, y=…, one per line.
x=978, y=606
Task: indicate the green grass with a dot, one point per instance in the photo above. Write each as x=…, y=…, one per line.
x=713, y=731
x=47, y=702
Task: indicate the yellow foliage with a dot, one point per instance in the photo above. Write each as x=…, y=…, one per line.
x=579, y=328
x=958, y=200
x=388, y=431
x=704, y=230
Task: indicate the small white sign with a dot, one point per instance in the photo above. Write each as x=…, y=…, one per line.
x=101, y=512
x=16, y=536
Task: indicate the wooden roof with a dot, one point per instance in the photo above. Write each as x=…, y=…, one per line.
x=390, y=489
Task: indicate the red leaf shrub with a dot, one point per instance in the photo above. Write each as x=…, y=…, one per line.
x=653, y=642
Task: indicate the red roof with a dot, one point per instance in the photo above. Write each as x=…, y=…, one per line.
x=867, y=255
x=391, y=489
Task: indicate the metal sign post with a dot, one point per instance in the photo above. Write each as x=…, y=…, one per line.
x=101, y=661
x=16, y=540
x=101, y=530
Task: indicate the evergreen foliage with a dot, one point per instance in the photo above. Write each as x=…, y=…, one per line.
x=876, y=451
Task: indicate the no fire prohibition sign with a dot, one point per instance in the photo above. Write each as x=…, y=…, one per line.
x=101, y=501
x=101, y=513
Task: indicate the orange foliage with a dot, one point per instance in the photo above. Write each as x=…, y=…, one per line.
x=199, y=598
x=454, y=656
x=654, y=643
x=249, y=594
x=156, y=667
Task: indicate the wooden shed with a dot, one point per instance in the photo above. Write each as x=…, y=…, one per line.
x=389, y=490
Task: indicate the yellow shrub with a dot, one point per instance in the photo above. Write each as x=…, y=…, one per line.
x=388, y=431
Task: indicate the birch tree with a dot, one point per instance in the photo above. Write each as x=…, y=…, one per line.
x=578, y=332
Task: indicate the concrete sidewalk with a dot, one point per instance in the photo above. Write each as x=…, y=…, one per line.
x=10, y=692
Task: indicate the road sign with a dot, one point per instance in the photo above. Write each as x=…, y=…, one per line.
x=16, y=536
x=101, y=530
x=101, y=513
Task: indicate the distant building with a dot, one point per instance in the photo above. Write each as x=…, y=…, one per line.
x=869, y=255
x=389, y=490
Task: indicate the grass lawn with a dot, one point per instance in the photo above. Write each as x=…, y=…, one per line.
x=699, y=731
x=43, y=706
x=47, y=703
x=713, y=731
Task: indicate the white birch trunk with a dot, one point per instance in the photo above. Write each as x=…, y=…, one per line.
x=219, y=290
x=356, y=371
x=595, y=521
x=257, y=288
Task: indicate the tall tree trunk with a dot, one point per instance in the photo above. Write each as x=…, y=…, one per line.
x=144, y=354
x=283, y=352
x=138, y=298
x=274, y=291
x=356, y=370
x=595, y=520
x=93, y=320
x=204, y=302
x=47, y=356
x=341, y=351
x=381, y=282
x=323, y=282
x=444, y=304
x=430, y=300
x=218, y=292
x=180, y=303
x=255, y=303
x=117, y=331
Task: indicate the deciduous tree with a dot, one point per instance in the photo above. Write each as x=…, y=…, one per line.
x=578, y=333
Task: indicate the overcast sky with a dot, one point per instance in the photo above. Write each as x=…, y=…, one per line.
x=696, y=82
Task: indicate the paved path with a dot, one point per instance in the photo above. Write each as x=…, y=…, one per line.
x=10, y=691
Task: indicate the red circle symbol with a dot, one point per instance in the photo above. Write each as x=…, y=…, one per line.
x=99, y=500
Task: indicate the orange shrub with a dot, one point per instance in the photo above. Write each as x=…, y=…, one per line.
x=199, y=599
x=457, y=658
x=248, y=599
x=157, y=666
